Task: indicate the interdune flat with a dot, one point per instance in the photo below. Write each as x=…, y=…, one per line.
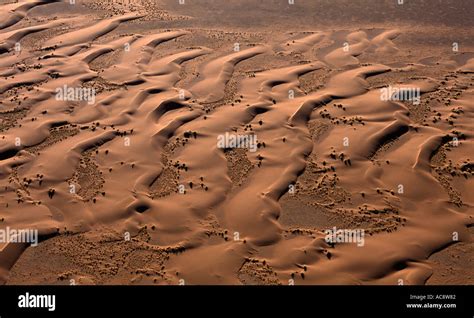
x=344, y=117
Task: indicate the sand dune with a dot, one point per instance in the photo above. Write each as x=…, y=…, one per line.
x=109, y=129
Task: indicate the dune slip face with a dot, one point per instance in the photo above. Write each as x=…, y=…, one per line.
x=145, y=142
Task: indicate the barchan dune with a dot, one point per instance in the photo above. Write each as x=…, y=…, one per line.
x=222, y=142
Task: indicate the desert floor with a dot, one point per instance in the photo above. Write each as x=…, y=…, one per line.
x=132, y=188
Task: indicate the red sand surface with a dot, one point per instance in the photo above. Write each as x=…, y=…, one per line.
x=131, y=187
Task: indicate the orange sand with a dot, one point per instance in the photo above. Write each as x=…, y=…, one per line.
x=169, y=80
